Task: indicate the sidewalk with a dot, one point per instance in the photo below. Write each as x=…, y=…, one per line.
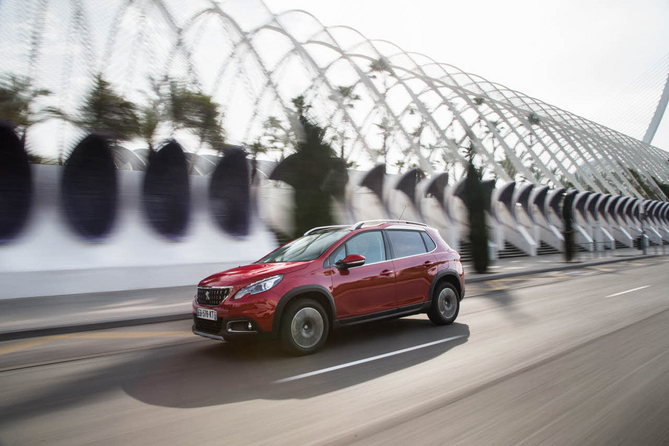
x=52, y=315
x=518, y=266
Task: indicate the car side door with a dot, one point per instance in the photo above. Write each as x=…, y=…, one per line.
x=414, y=265
x=365, y=289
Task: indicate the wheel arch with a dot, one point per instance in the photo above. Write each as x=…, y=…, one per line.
x=318, y=293
x=448, y=276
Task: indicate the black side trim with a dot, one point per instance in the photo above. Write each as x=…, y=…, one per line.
x=395, y=312
x=290, y=295
x=441, y=274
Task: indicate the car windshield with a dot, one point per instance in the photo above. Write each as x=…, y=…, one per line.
x=305, y=248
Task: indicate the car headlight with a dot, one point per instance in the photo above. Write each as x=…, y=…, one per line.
x=259, y=286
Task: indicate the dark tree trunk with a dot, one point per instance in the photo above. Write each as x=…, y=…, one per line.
x=478, y=232
x=567, y=216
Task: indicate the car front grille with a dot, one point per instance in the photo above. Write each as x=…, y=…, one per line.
x=211, y=327
x=212, y=296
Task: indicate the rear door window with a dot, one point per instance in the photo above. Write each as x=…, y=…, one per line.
x=406, y=243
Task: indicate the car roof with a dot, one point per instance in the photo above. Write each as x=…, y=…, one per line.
x=376, y=224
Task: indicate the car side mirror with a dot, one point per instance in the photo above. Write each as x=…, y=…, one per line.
x=350, y=261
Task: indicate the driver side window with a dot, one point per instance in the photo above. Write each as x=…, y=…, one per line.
x=368, y=244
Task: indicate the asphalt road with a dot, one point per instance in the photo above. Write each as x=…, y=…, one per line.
x=579, y=357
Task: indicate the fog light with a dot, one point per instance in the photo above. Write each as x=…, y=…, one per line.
x=250, y=326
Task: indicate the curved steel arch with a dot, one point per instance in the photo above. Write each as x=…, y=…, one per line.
x=454, y=107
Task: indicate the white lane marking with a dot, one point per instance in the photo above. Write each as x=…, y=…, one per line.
x=628, y=291
x=362, y=361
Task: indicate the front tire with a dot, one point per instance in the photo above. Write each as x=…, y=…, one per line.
x=304, y=327
x=445, y=304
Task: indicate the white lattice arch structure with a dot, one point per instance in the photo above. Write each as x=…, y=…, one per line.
x=253, y=61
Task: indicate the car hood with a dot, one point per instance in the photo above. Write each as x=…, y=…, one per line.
x=247, y=274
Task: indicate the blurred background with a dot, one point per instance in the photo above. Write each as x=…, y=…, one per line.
x=197, y=136
x=146, y=144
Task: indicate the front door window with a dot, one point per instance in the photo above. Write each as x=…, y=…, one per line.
x=365, y=289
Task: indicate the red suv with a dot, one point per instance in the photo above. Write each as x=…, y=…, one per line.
x=333, y=276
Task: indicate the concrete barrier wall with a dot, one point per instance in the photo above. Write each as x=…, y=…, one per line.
x=48, y=258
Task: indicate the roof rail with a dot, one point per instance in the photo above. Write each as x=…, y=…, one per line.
x=360, y=224
x=312, y=230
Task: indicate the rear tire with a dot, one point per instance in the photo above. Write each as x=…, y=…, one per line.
x=304, y=327
x=445, y=304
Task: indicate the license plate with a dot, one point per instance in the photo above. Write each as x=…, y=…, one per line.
x=203, y=313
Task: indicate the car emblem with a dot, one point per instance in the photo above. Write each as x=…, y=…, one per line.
x=206, y=295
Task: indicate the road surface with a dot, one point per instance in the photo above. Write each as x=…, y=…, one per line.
x=577, y=357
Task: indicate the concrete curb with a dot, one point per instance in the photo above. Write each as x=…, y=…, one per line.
x=59, y=330
x=104, y=325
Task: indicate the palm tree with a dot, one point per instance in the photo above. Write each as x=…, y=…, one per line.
x=348, y=98
x=312, y=167
x=276, y=137
x=568, y=231
x=154, y=112
x=106, y=111
x=533, y=119
x=17, y=98
x=508, y=166
x=256, y=148
x=381, y=67
x=386, y=131
x=149, y=118
x=348, y=95
x=341, y=138
x=197, y=111
x=301, y=106
x=474, y=197
x=491, y=132
x=103, y=110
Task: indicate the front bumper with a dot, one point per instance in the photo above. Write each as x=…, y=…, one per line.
x=227, y=328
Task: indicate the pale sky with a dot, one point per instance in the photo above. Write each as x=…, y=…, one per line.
x=578, y=55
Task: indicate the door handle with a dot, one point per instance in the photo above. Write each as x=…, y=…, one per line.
x=427, y=264
x=386, y=272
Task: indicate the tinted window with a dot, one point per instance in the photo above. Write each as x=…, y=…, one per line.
x=369, y=245
x=429, y=243
x=406, y=243
x=305, y=248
